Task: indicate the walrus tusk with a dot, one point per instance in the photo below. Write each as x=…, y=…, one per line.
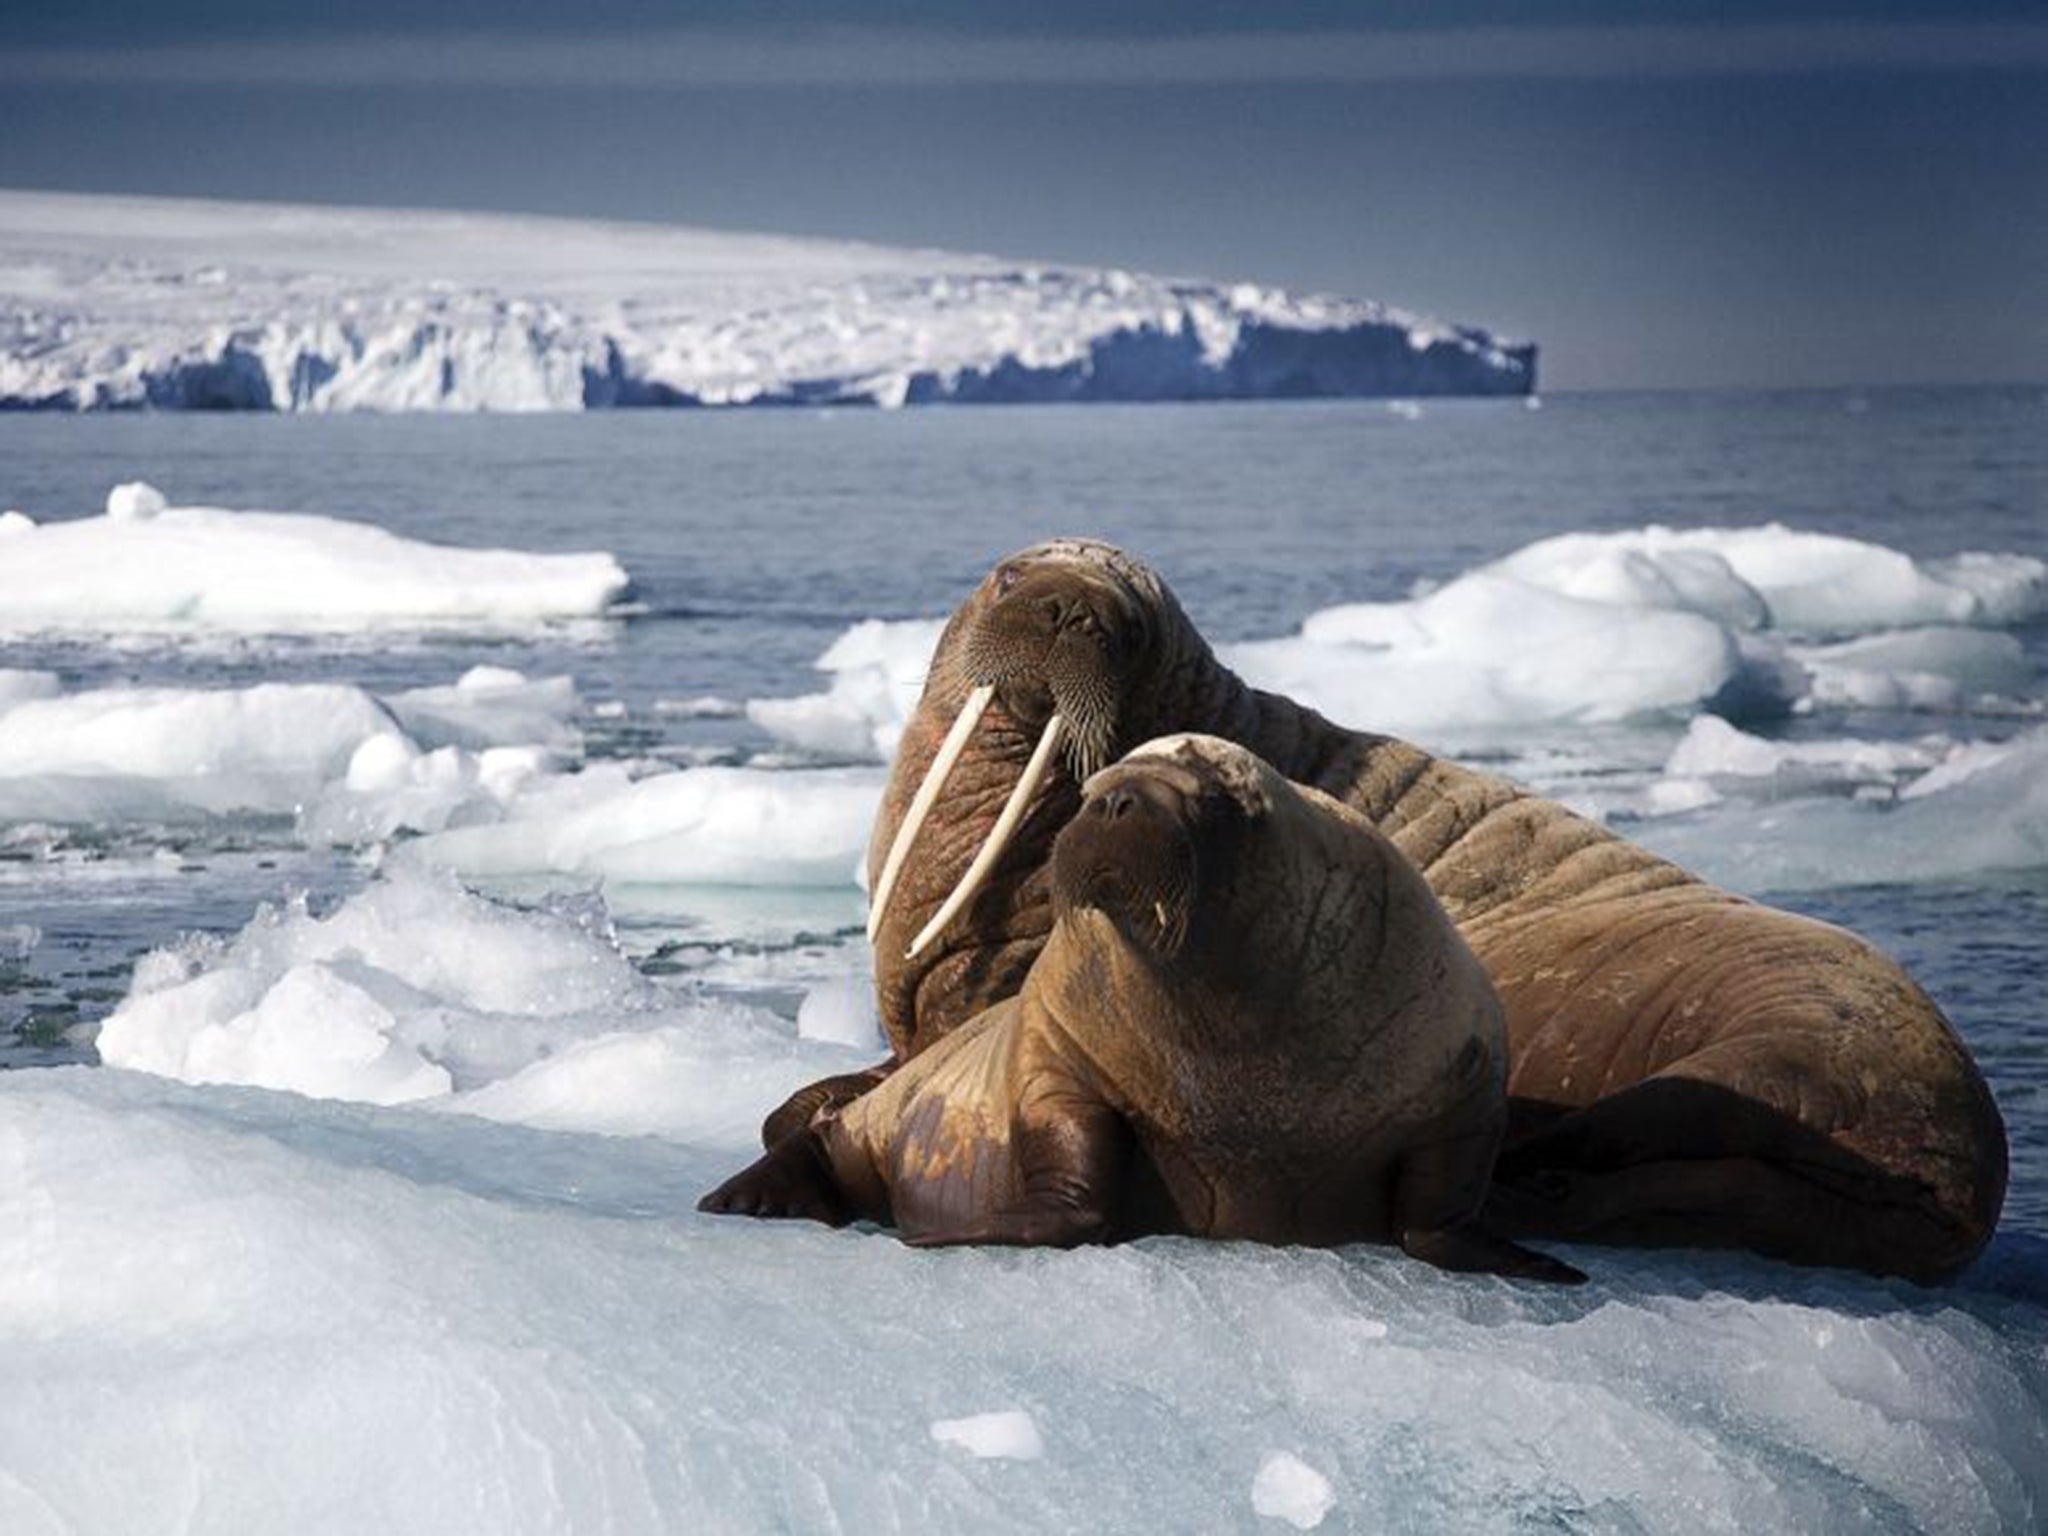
x=922, y=802
x=998, y=837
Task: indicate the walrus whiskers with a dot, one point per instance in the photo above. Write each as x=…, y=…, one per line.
x=998, y=837
x=927, y=796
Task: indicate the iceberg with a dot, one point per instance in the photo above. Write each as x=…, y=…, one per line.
x=170, y=304
x=148, y=566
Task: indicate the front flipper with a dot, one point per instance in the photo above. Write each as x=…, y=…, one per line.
x=792, y=1180
x=798, y=1110
x=1072, y=1153
x=1469, y=1248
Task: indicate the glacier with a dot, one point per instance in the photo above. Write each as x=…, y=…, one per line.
x=176, y=304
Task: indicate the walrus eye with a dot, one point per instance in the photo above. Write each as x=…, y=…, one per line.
x=1007, y=578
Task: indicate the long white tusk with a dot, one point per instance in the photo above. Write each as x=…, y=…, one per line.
x=998, y=837
x=922, y=802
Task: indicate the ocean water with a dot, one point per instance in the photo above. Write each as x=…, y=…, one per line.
x=755, y=539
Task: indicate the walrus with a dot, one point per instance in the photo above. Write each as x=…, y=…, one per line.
x=1251, y=1019
x=1685, y=1066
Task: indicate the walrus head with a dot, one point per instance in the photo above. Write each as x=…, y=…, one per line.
x=1160, y=839
x=1071, y=639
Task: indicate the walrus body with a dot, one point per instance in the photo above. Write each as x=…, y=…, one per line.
x=1251, y=1019
x=1685, y=1066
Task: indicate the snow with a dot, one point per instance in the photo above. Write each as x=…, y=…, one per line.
x=147, y=567
x=1009, y=1434
x=118, y=301
x=1288, y=1488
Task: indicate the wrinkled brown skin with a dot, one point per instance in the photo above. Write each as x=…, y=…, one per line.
x=1686, y=1067
x=1251, y=1020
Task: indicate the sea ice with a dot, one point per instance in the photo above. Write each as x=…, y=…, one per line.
x=1786, y=579
x=1288, y=1488
x=747, y=826
x=878, y=671
x=207, y=568
x=1009, y=1434
x=1579, y=629
x=355, y=765
x=1984, y=807
x=222, y=1282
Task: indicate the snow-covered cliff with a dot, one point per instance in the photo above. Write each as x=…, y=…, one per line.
x=120, y=302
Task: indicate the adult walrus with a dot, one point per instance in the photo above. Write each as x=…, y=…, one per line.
x=1251, y=1020
x=1685, y=1066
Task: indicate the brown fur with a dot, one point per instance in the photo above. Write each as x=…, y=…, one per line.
x=1251, y=1020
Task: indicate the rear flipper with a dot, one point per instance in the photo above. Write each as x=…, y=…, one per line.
x=798, y=1110
x=1468, y=1248
x=792, y=1180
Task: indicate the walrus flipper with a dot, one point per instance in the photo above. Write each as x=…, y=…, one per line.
x=1470, y=1249
x=793, y=1180
x=1072, y=1153
x=796, y=1112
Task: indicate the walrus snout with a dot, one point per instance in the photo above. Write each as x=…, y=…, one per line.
x=1132, y=853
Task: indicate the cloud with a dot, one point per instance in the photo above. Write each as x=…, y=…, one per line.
x=866, y=57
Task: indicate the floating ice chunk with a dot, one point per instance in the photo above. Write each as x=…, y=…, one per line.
x=1940, y=668
x=175, y=753
x=1493, y=649
x=1984, y=808
x=841, y=1011
x=18, y=687
x=1288, y=1488
x=878, y=671
x=406, y=990
x=1713, y=749
x=19, y=940
x=747, y=826
x=705, y=706
x=1009, y=1434
x=274, y=572
x=1811, y=583
x=136, y=501
x=493, y=707
x=1605, y=568
x=12, y=522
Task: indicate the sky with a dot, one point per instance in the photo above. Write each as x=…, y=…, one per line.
x=1685, y=194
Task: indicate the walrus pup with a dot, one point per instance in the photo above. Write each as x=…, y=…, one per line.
x=1251, y=1020
x=1685, y=1066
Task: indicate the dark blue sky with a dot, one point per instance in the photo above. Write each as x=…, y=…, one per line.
x=1662, y=195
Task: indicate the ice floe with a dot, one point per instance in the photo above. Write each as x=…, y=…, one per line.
x=146, y=566
x=715, y=826
x=415, y=989
x=275, y=749
x=1982, y=807
x=222, y=1283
